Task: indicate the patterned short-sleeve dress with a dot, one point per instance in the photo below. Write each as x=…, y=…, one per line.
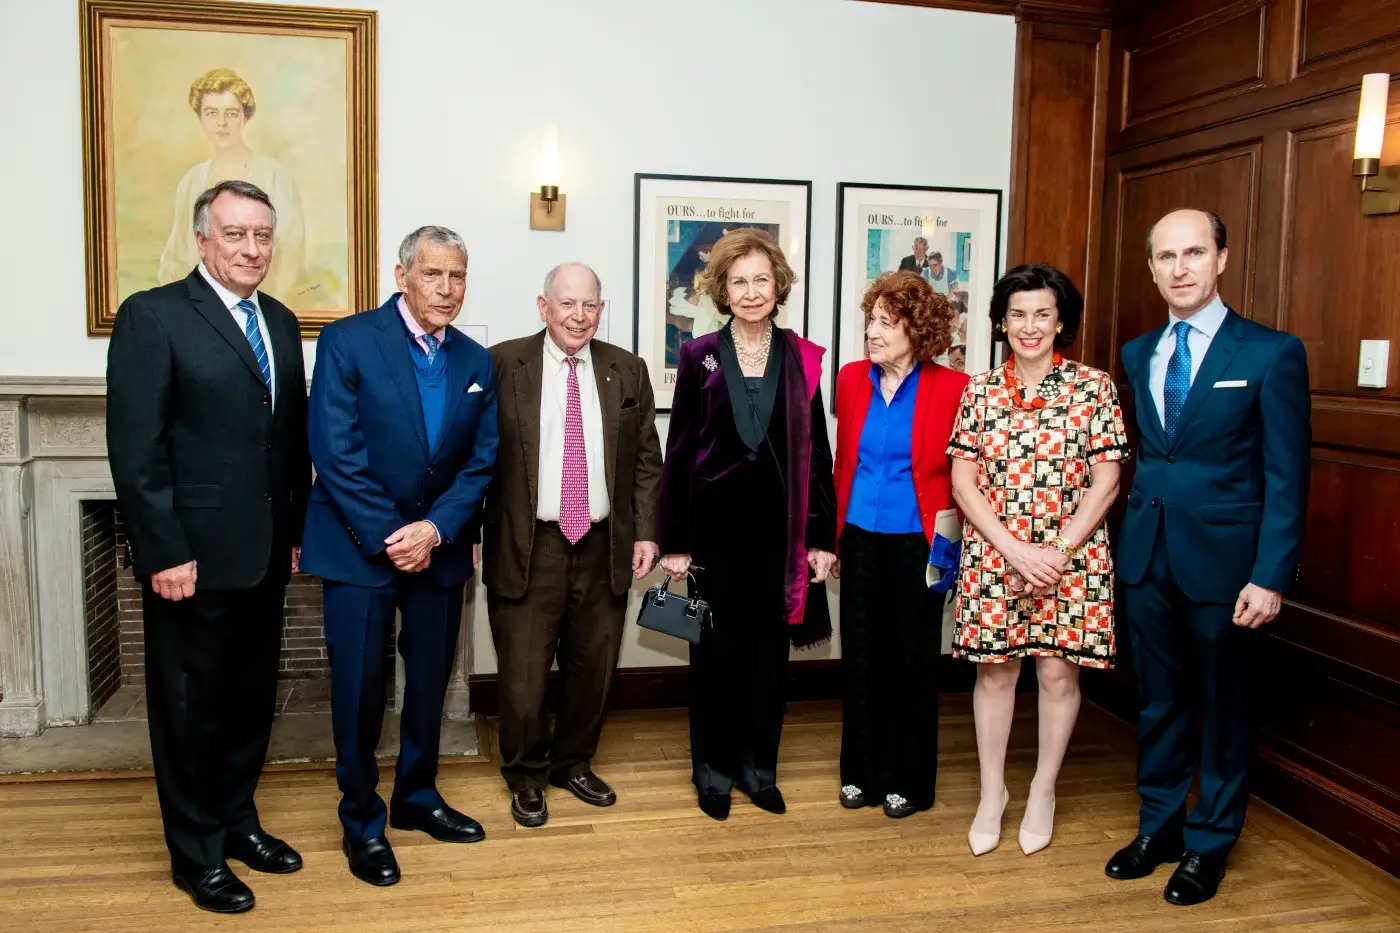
x=1033, y=466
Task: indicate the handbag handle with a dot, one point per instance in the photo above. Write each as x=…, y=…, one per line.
x=692, y=602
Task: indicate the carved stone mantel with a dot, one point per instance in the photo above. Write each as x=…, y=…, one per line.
x=53, y=457
x=51, y=438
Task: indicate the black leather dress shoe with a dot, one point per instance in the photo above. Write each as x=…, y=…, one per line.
x=218, y=890
x=527, y=807
x=444, y=824
x=770, y=799
x=263, y=852
x=589, y=788
x=372, y=861
x=715, y=806
x=1196, y=879
x=1140, y=858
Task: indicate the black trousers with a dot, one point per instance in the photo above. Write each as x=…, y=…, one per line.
x=891, y=623
x=1191, y=663
x=569, y=611
x=738, y=675
x=211, y=688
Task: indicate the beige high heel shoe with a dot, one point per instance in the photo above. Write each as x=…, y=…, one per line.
x=982, y=843
x=1032, y=843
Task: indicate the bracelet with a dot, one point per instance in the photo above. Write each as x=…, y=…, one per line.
x=1061, y=544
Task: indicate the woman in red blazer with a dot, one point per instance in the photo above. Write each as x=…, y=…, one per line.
x=895, y=413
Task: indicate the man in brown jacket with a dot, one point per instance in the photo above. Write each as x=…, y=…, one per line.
x=570, y=521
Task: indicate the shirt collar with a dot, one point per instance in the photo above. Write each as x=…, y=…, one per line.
x=556, y=355
x=1207, y=320
x=415, y=330
x=911, y=377
x=229, y=299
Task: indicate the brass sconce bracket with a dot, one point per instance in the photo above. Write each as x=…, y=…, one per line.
x=1380, y=186
x=547, y=208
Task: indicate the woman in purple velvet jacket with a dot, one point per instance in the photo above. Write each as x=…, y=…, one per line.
x=748, y=508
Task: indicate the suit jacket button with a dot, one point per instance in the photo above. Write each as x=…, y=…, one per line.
x=267, y=496
x=1171, y=459
x=430, y=471
x=1154, y=503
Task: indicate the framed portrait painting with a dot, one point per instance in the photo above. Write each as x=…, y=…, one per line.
x=678, y=220
x=950, y=236
x=181, y=94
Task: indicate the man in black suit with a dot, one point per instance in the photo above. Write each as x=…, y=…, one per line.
x=206, y=435
x=918, y=262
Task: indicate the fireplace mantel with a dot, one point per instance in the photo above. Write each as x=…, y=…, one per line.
x=53, y=457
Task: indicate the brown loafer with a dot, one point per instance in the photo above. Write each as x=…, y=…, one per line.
x=528, y=808
x=589, y=788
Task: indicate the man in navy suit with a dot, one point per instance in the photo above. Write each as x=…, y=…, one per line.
x=402, y=429
x=1208, y=546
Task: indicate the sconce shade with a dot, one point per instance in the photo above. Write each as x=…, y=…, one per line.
x=1370, y=120
x=549, y=158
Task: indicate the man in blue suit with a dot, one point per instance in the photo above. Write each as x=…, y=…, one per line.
x=402, y=427
x=1208, y=546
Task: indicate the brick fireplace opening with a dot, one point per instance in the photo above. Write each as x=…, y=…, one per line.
x=115, y=638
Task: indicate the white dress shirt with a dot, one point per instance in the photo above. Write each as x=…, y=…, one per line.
x=554, y=401
x=240, y=317
x=1203, y=326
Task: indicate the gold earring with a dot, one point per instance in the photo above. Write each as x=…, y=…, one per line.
x=1059, y=328
x=1002, y=328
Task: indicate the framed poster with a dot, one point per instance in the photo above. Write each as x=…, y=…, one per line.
x=950, y=236
x=181, y=94
x=678, y=219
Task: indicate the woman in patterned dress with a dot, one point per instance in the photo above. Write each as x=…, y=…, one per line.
x=1036, y=467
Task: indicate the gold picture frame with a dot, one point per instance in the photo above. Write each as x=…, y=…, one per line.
x=166, y=83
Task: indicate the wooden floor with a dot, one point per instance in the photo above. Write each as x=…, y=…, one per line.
x=86, y=855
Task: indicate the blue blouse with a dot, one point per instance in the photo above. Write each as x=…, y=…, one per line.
x=882, y=491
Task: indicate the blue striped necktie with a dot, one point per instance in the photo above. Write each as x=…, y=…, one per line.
x=431, y=343
x=254, y=335
x=1178, y=382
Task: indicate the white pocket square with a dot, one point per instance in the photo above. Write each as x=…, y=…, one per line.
x=1232, y=383
x=477, y=388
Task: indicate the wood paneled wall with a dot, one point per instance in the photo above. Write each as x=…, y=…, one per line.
x=1247, y=108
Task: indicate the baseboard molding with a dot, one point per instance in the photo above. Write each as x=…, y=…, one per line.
x=669, y=687
x=1343, y=816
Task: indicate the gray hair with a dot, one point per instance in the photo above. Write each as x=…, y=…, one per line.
x=440, y=236
x=553, y=273
x=237, y=188
x=920, y=241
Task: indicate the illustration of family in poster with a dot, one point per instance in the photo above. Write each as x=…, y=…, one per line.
x=679, y=221
x=950, y=237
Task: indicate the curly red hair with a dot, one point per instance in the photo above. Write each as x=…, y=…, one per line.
x=926, y=315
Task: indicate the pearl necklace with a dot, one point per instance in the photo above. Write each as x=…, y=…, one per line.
x=754, y=359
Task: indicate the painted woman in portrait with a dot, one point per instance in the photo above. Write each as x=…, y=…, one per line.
x=223, y=103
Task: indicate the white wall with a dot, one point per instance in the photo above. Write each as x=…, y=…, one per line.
x=827, y=90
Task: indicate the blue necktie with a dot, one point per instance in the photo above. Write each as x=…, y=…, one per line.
x=254, y=335
x=432, y=344
x=1178, y=380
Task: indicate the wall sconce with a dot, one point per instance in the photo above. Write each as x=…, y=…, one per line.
x=547, y=204
x=1380, y=184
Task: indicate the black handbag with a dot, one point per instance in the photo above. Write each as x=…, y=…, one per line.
x=673, y=614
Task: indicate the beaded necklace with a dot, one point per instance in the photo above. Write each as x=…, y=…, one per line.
x=1018, y=396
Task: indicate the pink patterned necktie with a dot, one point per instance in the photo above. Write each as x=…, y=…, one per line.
x=573, y=494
